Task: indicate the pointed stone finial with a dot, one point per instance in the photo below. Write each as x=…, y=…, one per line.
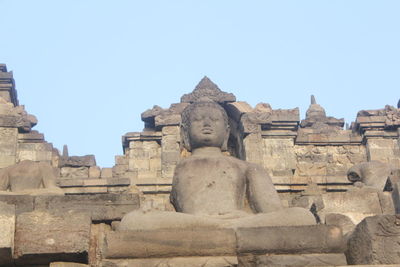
x=206, y=88
x=315, y=110
x=205, y=84
x=3, y=68
x=65, y=151
x=313, y=100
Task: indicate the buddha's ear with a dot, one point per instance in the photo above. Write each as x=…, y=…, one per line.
x=185, y=137
x=225, y=143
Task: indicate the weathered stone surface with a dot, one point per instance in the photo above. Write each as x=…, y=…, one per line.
x=356, y=204
x=101, y=207
x=206, y=88
x=94, y=172
x=7, y=229
x=97, y=239
x=35, y=151
x=106, y=173
x=41, y=237
x=376, y=240
x=67, y=264
x=74, y=172
x=8, y=146
x=290, y=239
x=333, y=259
x=372, y=173
x=170, y=243
x=216, y=261
x=282, y=163
x=384, y=150
x=78, y=161
x=29, y=177
x=22, y=203
x=236, y=109
x=340, y=220
x=31, y=137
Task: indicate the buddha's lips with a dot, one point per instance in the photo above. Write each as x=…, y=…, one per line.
x=207, y=130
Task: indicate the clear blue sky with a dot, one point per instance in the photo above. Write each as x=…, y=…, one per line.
x=87, y=69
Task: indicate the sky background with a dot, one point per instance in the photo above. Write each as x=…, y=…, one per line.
x=88, y=69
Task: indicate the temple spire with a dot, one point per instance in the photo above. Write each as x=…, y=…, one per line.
x=207, y=88
x=313, y=100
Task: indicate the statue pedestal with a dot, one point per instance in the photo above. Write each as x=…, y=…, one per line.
x=317, y=244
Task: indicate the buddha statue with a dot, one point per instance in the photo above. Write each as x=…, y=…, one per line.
x=212, y=189
x=30, y=178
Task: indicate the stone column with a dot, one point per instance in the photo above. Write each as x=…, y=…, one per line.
x=170, y=151
x=8, y=146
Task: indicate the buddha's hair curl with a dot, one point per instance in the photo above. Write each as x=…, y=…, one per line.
x=185, y=116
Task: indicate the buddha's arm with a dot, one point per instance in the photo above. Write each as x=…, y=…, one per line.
x=48, y=176
x=261, y=192
x=4, y=180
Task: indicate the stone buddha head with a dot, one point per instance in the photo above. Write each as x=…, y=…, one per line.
x=204, y=124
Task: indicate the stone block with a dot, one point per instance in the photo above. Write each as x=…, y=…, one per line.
x=384, y=150
x=97, y=239
x=170, y=143
x=31, y=137
x=94, y=172
x=216, y=261
x=41, y=237
x=72, y=172
x=356, y=204
x=171, y=130
x=290, y=240
x=376, y=240
x=85, y=190
x=253, y=150
x=7, y=229
x=22, y=203
x=67, y=264
x=8, y=146
x=236, y=109
x=118, y=181
x=292, y=260
x=121, y=160
x=119, y=170
x=139, y=164
x=35, y=151
x=78, y=161
x=101, y=207
x=170, y=243
x=106, y=173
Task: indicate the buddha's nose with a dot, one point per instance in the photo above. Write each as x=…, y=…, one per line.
x=207, y=121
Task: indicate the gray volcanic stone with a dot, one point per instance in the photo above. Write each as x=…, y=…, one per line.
x=101, y=207
x=78, y=161
x=206, y=88
x=376, y=240
x=293, y=260
x=170, y=243
x=290, y=239
x=7, y=229
x=42, y=237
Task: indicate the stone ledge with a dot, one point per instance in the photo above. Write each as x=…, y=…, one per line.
x=290, y=239
x=101, y=207
x=42, y=237
x=213, y=261
x=328, y=259
x=170, y=243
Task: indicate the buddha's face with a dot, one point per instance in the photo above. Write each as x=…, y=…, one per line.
x=207, y=128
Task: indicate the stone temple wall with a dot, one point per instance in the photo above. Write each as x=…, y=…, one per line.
x=308, y=161
x=296, y=153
